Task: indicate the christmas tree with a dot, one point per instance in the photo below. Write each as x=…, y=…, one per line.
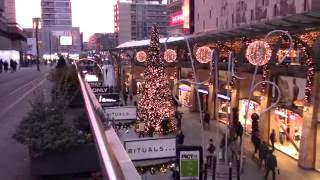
x=155, y=107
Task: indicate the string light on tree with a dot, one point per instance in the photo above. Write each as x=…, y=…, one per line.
x=203, y=54
x=170, y=55
x=155, y=107
x=141, y=56
x=258, y=53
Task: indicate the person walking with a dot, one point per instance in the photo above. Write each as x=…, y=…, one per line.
x=180, y=137
x=263, y=150
x=271, y=165
x=210, y=152
x=11, y=65
x=206, y=120
x=5, y=66
x=1, y=65
x=272, y=138
x=239, y=131
x=141, y=129
x=178, y=117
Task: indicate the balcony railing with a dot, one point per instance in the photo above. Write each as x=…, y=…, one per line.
x=114, y=160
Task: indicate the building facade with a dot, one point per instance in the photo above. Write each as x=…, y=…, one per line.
x=12, y=37
x=220, y=15
x=133, y=19
x=180, y=16
x=101, y=41
x=57, y=34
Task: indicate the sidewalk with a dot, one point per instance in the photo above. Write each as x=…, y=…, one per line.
x=289, y=169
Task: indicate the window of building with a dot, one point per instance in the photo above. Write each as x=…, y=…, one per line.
x=210, y=13
x=252, y=16
x=217, y=21
x=275, y=10
x=204, y=24
x=305, y=5
x=263, y=2
x=198, y=16
x=232, y=18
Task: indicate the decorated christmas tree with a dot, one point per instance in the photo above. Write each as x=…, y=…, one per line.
x=155, y=107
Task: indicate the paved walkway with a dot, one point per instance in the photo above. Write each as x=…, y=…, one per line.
x=289, y=169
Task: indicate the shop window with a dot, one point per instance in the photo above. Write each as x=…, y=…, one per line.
x=254, y=107
x=275, y=10
x=317, y=163
x=293, y=58
x=287, y=125
x=252, y=16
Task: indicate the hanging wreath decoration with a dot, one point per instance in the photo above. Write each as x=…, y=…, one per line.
x=141, y=56
x=170, y=55
x=203, y=54
x=258, y=53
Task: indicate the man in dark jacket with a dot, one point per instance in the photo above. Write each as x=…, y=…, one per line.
x=271, y=164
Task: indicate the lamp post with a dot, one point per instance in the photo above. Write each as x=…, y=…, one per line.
x=36, y=22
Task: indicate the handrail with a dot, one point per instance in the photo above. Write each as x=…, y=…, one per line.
x=114, y=160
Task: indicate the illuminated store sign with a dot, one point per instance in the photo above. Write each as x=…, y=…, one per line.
x=176, y=18
x=151, y=148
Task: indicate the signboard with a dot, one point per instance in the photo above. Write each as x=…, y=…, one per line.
x=101, y=90
x=189, y=164
x=108, y=100
x=66, y=40
x=121, y=113
x=141, y=149
x=176, y=18
x=95, y=84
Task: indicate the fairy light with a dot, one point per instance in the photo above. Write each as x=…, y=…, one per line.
x=170, y=55
x=203, y=54
x=258, y=53
x=156, y=102
x=141, y=56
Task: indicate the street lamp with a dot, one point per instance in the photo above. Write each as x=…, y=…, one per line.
x=36, y=24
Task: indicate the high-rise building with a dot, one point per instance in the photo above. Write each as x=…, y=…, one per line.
x=180, y=16
x=56, y=13
x=133, y=19
x=57, y=34
x=10, y=10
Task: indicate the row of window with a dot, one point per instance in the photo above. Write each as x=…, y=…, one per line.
x=56, y=22
x=56, y=10
x=56, y=16
x=55, y=4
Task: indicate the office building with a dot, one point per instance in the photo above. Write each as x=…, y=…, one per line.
x=102, y=41
x=133, y=19
x=57, y=34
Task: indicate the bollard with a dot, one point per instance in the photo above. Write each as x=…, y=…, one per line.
x=230, y=170
x=205, y=171
x=238, y=168
x=214, y=165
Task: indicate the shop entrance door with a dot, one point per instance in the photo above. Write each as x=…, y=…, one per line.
x=317, y=163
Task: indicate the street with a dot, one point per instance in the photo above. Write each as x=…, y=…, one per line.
x=16, y=90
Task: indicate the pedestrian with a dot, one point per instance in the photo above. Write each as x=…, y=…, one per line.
x=125, y=98
x=271, y=164
x=5, y=66
x=15, y=64
x=178, y=117
x=180, y=137
x=223, y=145
x=255, y=135
x=1, y=65
x=234, y=150
x=206, y=120
x=263, y=150
x=164, y=125
x=272, y=138
x=11, y=65
x=210, y=152
x=141, y=129
x=131, y=98
x=239, y=131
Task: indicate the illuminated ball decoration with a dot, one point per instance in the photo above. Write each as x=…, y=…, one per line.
x=170, y=55
x=141, y=56
x=203, y=54
x=258, y=53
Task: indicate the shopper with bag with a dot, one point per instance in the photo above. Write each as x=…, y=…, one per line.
x=210, y=152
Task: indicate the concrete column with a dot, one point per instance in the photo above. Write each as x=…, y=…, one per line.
x=211, y=100
x=308, y=136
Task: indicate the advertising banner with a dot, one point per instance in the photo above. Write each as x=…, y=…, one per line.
x=95, y=84
x=189, y=164
x=176, y=18
x=108, y=100
x=121, y=113
x=141, y=149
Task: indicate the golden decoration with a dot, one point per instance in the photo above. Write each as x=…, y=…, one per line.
x=203, y=54
x=258, y=53
x=170, y=55
x=141, y=56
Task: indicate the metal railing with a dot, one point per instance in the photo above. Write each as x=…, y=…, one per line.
x=114, y=161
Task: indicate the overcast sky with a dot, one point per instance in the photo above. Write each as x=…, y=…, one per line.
x=92, y=16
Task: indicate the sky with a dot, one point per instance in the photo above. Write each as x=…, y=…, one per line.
x=92, y=16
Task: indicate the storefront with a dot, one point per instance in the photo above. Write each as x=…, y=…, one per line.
x=224, y=108
x=254, y=107
x=287, y=125
x=184, y=94
x=317, y=161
